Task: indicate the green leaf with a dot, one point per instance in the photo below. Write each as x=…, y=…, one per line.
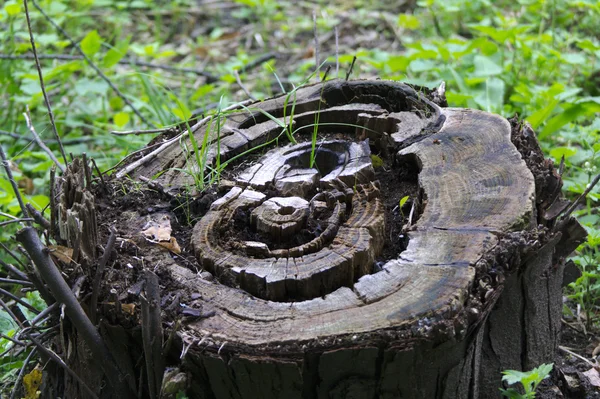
x=408, y=21
x=403, y=201
x=376, y=161
x=115, y=54
x=491, y=98
x=559, y=152
x=91, y=43
x=485, y=66
x=121, y=119
x=541, y=115
x=567, y=116
x=12, y=9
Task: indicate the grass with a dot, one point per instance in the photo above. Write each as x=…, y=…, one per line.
x=538, y=59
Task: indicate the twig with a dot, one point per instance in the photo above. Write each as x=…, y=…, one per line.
x=127, y=61
x=20, y=220
x=38, y=217
x=147, y=131
x=99, y=272
x=91, y=64
x=25, y=283
x=18, y=300
x=14, y=341
x=40, y=143
x=564, y=349
x=99, y=173
x=337, y=52
x=317, y=65
x=11, y=314
x=46, y=98
x=13, y=394
x=239, y=82
x=23, y=137
x=13, y=183
x=351, y=67
x=572, y=207
x=63, y=294
x=13, y=270
x=132, y=166
x=326, y=73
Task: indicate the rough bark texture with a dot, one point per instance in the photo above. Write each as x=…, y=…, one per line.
x=293, y=292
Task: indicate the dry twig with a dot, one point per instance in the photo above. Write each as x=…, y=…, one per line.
x=46, y=98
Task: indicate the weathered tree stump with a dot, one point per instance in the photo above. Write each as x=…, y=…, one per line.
x=313, y=278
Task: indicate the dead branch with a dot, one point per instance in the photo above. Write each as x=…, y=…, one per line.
x=46, y=98
x=13, y=183
x=152, y=334
x=63, y=294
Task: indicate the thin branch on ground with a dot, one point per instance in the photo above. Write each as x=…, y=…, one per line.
x=239, y=82
x=91, y=64
x=13, y=394
x=147, y=131
x=13, y=183
x=39, y=141
x=46, y=98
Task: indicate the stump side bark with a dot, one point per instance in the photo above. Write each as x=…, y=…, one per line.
x=476, y=290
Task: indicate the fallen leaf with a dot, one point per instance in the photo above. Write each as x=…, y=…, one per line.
x=63, y=254
x=170, y=245
x=158, y=230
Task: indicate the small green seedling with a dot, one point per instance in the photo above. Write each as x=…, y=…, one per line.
x=529, y=379
x=401, y=204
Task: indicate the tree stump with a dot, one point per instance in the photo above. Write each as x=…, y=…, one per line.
x=395, y=249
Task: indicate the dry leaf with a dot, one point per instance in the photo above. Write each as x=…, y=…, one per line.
x=158, y=230
x=31, y=383
x=170, y=245
x=26, y=184
x=128, y=308
x=63, y=254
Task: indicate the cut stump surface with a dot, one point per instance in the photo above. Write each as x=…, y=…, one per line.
x=302, y=298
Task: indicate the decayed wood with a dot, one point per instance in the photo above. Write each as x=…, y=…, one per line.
x=315, y=318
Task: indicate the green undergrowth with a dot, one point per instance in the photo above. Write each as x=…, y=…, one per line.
x=538, y=59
